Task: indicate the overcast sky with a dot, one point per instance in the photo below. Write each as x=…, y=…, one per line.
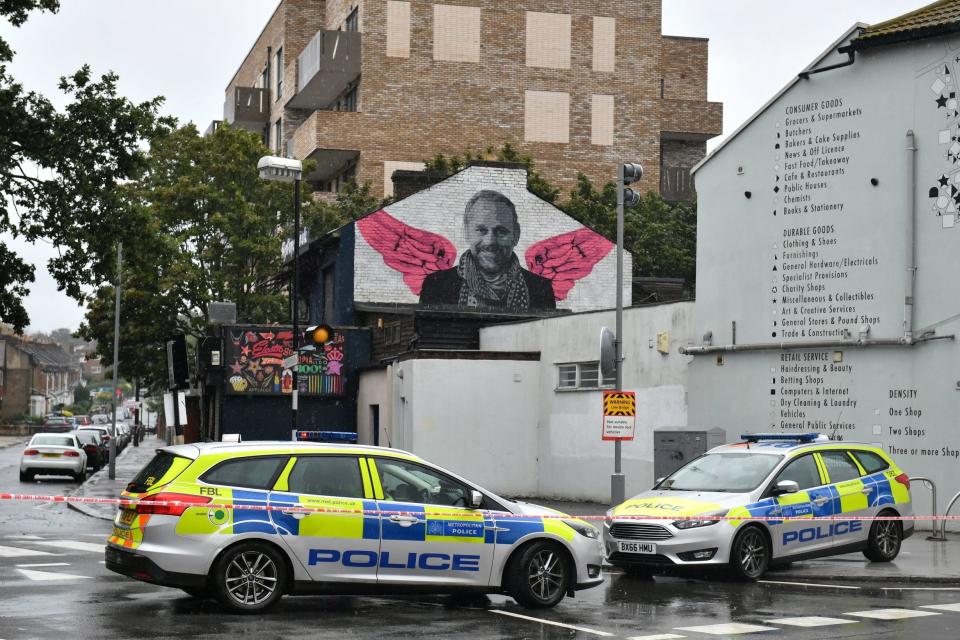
x=187, y=51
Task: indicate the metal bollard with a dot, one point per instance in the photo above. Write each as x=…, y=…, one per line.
x=943, y=523
x=933, y=490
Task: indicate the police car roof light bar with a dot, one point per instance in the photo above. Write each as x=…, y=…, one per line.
x=327, y=436
x=797, y=437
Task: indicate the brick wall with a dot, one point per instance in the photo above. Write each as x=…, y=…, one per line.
x=682, y=153
x=415, y=107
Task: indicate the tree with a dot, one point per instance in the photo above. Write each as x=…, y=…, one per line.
x=536, y=183
x=59, y=171
x=211, y=231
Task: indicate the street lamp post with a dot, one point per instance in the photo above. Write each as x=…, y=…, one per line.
x=290, y=170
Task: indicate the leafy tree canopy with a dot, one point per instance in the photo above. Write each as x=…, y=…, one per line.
x=59, y=171
x=536, y=183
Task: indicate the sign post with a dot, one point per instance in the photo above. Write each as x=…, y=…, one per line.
x=619, y=415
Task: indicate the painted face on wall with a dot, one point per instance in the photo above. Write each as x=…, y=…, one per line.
x=492, y=232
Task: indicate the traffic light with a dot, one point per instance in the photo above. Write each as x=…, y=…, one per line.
x=631, y=172
x=318, y=335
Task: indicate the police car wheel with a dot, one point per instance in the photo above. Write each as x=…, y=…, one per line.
x=749, y=554
x=539, y=576
x=26, y=476
x=883, y=544
x=250, y=577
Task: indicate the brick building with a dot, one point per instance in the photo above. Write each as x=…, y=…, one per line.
x=34, y=377
x=367, y=87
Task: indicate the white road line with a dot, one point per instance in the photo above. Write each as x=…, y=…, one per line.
x=890, y=614
x=550, y=622
x=809, y=584
x=942, y=607
x=23, y=537
x=921, y=588
x=17, y=552
x=48, y=576
x=76, y=545
x=46, y=564
x=659, y=636
x=810, y=621
x=727, y=629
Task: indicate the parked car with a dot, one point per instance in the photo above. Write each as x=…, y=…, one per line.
x=104, y=434
x=53, y=454
x=82, y=421
x=96, y=448
x=772, y=476
x=56, y=424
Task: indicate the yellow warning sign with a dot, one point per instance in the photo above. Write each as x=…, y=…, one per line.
x=619, y=403
x=619, y=415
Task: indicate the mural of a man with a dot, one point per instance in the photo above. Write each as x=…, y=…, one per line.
x=489, y=274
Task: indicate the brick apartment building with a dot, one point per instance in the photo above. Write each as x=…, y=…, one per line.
x=366, y=87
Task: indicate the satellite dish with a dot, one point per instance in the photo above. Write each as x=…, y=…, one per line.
x=608, y=353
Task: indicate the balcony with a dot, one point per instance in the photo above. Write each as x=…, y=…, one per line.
x=332, y=139
x=690, y=119
x=676, y=184
x=326, y=68
x=247, y=108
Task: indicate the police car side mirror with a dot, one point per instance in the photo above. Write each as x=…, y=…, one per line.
x=786, y=486
x=476, y=499
x=658, y=481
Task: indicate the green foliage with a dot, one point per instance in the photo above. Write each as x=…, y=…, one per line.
x=353, y=201
x=59, y=172
x=536, y=183
x=210, y=230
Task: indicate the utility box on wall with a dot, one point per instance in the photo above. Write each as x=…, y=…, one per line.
x=674, y=447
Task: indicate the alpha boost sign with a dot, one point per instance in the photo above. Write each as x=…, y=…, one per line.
x=619, y=415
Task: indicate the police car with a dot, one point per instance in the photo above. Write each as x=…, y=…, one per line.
x=334, y=518
x=773, y=476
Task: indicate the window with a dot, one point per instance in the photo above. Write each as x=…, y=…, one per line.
x=353, y=20
x=408, y=482
x=583, y=375
x=279, y=72
x=604, y=44
x=871, y=462
x=803, y=471
x=327, y=476
x=602, y=116
x=548, y=40
x=156, y=470
x=391, y=333
x=265, y=77
x=456, y=33
x=329, y=291
x=255, y=472
x=398, y=29
x=840, y=466
x=547, y=116
x=278, y=136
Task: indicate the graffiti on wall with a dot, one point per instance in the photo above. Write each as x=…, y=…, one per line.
x=489, y=273
x=945, y=192
x=255, y=358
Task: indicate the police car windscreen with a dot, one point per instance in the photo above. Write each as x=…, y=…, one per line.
x=725, y=472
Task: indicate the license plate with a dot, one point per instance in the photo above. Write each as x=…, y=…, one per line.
x=638, y=547
x=127, y=516
x=51, y=455
x=124, y=534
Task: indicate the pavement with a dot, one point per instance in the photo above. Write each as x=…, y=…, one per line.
x=920, y=560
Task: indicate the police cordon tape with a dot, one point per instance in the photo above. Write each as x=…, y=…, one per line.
x=291, y=508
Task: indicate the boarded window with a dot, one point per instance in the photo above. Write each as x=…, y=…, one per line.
x=390, y=166
x=547, y=116
x=398, y=29
x=604, y=44
x=548, y=40
x=602, y=130
x=456, y=33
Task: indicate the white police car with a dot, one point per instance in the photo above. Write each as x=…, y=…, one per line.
x=773, y=476
x=328, y=518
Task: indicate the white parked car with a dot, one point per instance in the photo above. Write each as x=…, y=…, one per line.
x=53, y=454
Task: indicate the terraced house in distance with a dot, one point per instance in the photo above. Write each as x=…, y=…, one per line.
x=366, y=87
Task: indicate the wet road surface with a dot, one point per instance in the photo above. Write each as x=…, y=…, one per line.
x=53, y=584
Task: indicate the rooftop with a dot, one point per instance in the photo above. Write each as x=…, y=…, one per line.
x=934, y=19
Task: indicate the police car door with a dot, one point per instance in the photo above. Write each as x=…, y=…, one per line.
x=853, y=496
x=341, y=544
x=813, y=499
x=428, y=533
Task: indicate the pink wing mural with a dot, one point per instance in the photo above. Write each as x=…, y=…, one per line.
x=413, y=252
x=567, y=258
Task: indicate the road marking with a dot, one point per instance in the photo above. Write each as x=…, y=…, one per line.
x=921, y=588
x=727, y=629
x=550, y=622
x=659, y=636
x=942, y=607
x=810, y=621
x=23, y=537
x=47, y=576
x=890, y=614
x=46, y=564
x=76, y=545
x=17, y=552
x=809, y=584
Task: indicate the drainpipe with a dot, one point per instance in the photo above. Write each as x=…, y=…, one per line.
x=911, y=239
x=851, y=58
